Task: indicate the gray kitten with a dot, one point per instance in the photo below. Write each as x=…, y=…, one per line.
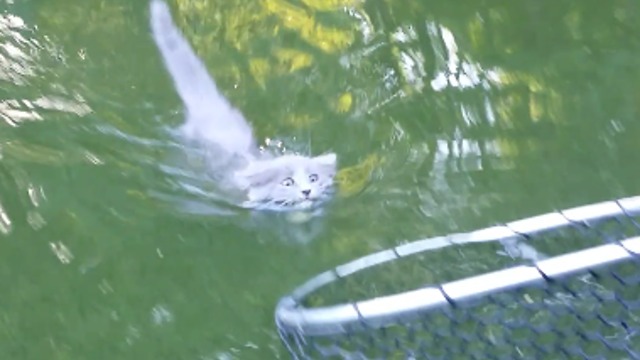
x=286, y=182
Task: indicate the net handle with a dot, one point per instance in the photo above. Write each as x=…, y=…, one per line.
x=292, y=316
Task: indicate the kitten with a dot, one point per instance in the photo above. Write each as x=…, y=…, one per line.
x=286, y=182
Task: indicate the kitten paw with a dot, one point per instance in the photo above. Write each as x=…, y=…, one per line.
x=299, y=217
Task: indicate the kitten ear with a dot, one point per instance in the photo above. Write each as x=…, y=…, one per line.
x=258, y=174
x=326, y=161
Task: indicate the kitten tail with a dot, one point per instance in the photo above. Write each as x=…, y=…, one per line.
x=209, y=114
x=188, y=73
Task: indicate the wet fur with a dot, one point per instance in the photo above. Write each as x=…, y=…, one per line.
x=284, y=182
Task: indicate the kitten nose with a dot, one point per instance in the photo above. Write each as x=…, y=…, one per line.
x=306, y=192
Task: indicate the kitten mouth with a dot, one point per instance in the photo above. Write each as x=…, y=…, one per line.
x=305, y=201
x=284, y=202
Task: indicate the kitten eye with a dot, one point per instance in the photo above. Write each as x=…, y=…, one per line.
x=287, y=182
x=313, y=178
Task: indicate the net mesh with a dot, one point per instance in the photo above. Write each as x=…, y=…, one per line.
x=593, y=313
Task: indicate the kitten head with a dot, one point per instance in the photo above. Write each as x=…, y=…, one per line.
x=289, y=181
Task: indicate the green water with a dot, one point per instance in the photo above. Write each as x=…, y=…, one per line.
x=540, y=112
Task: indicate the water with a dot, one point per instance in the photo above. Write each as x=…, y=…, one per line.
x=446, y=118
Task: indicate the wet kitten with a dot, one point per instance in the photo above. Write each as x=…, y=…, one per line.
x=287, y=182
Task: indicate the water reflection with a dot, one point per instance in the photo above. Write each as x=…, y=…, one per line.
x=11, y=113
x=30, y=67
x=15, y=112
x=61, y=251
x=5, y=221
x=452, y=70
x=21, y=57
x=76, y=106
x=15, y=64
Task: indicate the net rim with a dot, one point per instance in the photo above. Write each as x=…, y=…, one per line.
x=291, y=316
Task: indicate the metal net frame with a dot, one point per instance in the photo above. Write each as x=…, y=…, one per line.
x=578, y=304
